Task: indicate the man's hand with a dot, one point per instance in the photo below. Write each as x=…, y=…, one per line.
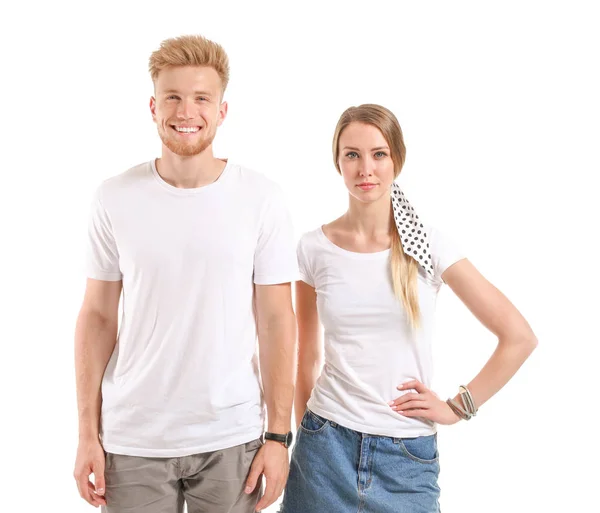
x=272, y=460
x=90, y=459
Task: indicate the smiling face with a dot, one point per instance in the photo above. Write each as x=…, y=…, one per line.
x=187, y=108
x=365, y=162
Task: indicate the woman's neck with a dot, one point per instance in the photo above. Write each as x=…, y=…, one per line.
x=369, y=220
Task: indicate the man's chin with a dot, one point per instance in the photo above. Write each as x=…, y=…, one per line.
x=186, y=150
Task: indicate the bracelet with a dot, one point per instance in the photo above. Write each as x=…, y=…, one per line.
x=467, y=400
x=468, y=409
x=458, y=411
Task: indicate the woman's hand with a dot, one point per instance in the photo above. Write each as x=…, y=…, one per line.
x=424, y=403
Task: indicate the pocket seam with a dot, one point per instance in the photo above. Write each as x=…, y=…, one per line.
x=316, y=419
x=400, y=442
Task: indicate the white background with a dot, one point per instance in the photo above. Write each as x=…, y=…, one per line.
x=499, y=105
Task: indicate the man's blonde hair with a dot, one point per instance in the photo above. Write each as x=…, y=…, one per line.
x=190, y=51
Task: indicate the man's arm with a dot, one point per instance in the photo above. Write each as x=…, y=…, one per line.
x=95, y=339
x=277, y=348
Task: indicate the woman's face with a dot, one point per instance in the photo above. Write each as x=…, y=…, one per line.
x=365, y=162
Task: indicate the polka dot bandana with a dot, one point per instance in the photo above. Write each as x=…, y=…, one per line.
x=415, y=240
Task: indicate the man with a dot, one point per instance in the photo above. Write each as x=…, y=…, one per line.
x=171, y=409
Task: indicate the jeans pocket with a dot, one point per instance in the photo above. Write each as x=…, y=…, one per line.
x=422, y=449
x=312, y=423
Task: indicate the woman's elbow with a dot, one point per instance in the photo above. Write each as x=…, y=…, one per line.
x=521, y=337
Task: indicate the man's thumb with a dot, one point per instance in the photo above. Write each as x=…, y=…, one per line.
x=252, y=479
x=99, y=483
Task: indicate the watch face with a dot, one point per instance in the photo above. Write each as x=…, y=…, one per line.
x=288, y=439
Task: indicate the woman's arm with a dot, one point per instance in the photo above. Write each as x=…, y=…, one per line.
x=516, y=340
x=310, y=346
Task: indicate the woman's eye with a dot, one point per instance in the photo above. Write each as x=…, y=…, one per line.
x=380, y=154
x=352, y=154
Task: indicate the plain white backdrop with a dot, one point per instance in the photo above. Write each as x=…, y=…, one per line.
x=499, y=106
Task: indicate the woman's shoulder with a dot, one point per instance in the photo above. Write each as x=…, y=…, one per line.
x=445, y=249
x=310, y=239
x=439, y=238
x=319, y=237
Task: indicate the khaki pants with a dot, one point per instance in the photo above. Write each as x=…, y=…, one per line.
x=211, y=482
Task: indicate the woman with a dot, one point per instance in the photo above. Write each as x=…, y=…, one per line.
x=367, y=439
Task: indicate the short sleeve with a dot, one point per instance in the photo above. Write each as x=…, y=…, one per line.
x=304, y=266
x=444, y=252
x=275, y=256
x=102, y=253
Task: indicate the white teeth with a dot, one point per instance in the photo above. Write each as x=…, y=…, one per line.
x=187, y=130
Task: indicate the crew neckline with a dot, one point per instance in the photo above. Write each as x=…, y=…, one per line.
x=194, y=190
x=347, y=252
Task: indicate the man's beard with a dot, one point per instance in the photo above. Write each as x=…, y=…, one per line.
x=182, y=148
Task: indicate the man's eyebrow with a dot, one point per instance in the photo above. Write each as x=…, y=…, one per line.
x=171, y=91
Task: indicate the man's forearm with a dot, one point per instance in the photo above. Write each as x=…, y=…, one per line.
x=277, y=343
x=95, y=339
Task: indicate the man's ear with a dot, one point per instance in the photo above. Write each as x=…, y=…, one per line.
x=222, y=113
x=153, y=108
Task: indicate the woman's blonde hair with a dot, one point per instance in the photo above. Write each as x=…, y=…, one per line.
x=404, y=269
x=190, y=51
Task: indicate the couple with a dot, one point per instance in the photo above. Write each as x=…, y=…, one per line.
x=172, y=409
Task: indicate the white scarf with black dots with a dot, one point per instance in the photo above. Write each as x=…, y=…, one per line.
x=414, y=238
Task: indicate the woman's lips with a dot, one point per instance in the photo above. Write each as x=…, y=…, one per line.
x=367, y=186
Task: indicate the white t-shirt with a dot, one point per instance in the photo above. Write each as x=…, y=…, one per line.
x=183, y=378
x=370, y=348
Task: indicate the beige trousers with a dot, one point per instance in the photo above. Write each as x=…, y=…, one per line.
x=211, y=482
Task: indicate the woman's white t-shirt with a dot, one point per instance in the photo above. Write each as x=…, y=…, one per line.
x=370, y=347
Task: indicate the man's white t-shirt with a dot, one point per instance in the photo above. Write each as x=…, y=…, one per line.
x=183, y=378
x=370, y=347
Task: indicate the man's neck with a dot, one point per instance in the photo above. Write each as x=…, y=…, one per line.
x=189, y=172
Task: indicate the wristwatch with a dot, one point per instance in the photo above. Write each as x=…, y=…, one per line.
x=286, y=439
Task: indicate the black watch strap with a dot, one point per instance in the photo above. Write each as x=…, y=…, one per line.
x=286, y=439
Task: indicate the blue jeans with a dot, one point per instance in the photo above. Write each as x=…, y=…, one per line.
x=337, y=470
